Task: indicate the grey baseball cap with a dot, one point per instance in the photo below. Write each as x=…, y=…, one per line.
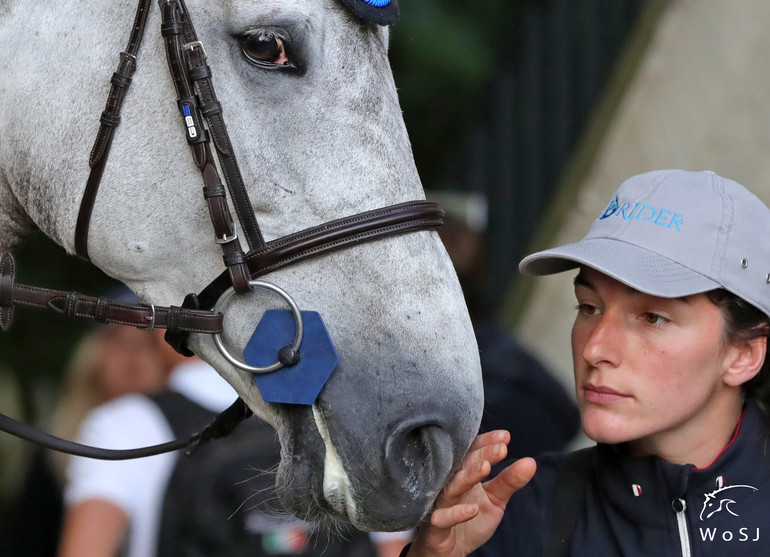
x=673, y=233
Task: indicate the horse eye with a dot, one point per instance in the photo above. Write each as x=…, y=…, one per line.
x=265, y=50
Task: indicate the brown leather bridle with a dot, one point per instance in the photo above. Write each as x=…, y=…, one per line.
x=197, y=103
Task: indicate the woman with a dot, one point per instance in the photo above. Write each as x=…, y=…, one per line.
x=109, y=361
x=669, y=345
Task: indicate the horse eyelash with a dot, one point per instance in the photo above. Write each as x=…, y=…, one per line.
x=265, y=34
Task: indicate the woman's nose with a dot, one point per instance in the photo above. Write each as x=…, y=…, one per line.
x=604, y=341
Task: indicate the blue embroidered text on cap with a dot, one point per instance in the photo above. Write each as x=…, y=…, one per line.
x=643, y=212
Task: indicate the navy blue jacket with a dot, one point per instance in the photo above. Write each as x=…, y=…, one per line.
x=646, y=506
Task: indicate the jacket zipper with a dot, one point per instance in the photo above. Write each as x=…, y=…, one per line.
x=681, y=521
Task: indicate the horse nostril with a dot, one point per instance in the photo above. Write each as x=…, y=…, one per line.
x=419, y=456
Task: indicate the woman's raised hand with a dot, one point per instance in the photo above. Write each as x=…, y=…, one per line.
x=467, y=512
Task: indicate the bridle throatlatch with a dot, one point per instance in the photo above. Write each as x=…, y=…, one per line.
x=203, y=123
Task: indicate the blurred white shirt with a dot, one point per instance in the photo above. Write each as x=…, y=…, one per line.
x=138, y=486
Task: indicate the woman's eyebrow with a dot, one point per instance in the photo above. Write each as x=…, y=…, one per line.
x=580, y=280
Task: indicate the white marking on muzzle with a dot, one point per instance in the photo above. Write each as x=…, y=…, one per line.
x=337, y=489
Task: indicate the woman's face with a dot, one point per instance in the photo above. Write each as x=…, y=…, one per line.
x=129, y=362
x=649, y=370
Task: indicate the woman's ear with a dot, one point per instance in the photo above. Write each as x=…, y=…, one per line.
x=747, y=360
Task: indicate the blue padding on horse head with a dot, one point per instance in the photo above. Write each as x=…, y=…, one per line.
x=381, y=12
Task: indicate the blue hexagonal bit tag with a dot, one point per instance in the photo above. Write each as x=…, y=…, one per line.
x=302, y=382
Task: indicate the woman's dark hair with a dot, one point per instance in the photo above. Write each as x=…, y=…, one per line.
x=742, y=322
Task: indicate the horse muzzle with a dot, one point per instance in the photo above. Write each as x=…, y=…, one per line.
x=378, y=472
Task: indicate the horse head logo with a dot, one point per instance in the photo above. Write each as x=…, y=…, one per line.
x=611, y=209
x=721, y=500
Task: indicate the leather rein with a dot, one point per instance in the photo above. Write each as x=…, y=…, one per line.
x=197, y=102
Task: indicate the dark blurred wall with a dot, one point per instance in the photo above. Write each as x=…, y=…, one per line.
x=496, y=96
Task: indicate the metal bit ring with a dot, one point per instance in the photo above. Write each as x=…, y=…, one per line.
x=225, y=297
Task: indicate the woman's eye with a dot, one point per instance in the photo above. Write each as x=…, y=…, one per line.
x=587, y=309
x=654, y=319
x=265, y=50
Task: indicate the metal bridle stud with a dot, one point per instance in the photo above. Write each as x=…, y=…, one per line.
x=288, y=355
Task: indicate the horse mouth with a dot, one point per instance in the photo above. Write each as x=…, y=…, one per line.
x=384, y=485
x=337, y=490
x=303, y=485
x=318, y=489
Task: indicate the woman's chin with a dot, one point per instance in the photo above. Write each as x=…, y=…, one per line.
x=605, y=429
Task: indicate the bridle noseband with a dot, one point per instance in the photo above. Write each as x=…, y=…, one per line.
x=197, y=102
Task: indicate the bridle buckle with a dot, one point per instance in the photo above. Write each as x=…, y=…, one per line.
x=225, y=239
x=149, y=318
x=192, y=45
x=128, y=57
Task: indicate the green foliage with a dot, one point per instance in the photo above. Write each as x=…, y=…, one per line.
x=444, y=55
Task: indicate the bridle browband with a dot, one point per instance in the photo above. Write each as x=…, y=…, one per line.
x=197, y=102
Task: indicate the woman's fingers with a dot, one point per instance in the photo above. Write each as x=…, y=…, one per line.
x=460, y=498
x=500, y=488
x=475, y=467
x=466, y=498
x=490, y=438
x=471, y=473
x=452, y=516
x=451, y=531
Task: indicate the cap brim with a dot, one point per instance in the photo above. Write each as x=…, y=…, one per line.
x=636, y=267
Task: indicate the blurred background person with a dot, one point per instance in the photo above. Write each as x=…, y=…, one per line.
x=521, y=394
x=110, y=361
x=116, y=506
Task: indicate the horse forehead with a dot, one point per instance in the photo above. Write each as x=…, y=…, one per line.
x=246, y=9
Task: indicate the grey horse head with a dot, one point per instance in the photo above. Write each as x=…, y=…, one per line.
x=318, y=139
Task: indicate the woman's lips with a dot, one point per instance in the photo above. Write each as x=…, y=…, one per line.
x=602, y=395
